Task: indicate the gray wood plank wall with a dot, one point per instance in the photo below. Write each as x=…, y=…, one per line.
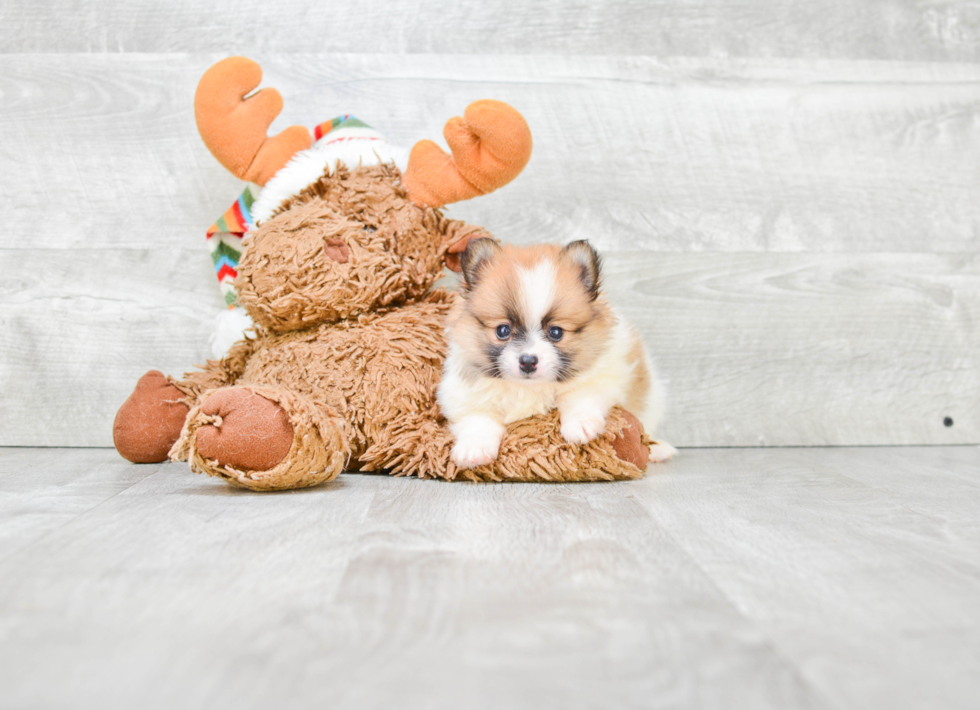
x=786, y=194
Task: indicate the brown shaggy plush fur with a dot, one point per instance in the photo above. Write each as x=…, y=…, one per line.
x=350, y=344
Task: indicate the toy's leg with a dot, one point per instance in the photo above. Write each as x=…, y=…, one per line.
x=263, y=438
x=245, y=430
x=628, y=443
x=632, y=445
x=149, y=421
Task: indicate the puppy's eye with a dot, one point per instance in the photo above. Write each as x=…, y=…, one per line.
x=503, y=331
x=555, y=333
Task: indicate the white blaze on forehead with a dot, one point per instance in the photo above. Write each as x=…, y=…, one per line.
x=537, y=293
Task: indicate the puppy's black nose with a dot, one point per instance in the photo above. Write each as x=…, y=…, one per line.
x=528, y=363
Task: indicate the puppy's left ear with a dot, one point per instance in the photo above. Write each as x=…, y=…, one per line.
x=583, y=255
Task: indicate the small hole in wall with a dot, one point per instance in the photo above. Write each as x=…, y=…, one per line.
x=948, y=421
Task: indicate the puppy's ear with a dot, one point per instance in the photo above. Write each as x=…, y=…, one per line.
x=478, y=255
x=583, y=255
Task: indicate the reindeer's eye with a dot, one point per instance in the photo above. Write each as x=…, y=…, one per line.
x=555, y=333
x=503, y=331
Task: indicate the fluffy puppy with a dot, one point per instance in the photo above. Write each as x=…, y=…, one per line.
x=531, y=332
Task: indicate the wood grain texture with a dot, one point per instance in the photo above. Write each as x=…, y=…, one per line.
x=804, y=578
x=680, y=155
x=810, y=349
x=881, y=544
x=81, y=326
x=874, y=29
x=38, y=496
x=101, y=158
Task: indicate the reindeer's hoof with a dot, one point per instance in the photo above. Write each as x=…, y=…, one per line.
x=629, y=445
x=248, y=431
x=149, y=422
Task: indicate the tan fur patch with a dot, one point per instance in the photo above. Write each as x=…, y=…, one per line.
x=641, y=376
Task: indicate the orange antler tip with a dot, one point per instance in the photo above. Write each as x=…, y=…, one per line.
x=491, y=144
x=234, y=128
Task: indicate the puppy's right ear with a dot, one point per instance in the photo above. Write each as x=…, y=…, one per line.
x=478, y=255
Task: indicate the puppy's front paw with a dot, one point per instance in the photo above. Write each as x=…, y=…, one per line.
x=477, y=441
x=581, y=427
x=473, y=454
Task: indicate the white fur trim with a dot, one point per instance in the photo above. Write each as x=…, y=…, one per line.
x=352, y=147
x=229, y=328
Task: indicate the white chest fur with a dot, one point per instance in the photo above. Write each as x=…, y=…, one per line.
x=503, y=400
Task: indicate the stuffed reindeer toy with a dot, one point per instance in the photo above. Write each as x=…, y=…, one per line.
x=340, y=252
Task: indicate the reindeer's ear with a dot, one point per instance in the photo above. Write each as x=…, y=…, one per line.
x=454, y=252
x=457, y=235
x=584, y=255
x=476, y=257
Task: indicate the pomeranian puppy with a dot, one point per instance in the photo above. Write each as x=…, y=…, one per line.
x=531, y=332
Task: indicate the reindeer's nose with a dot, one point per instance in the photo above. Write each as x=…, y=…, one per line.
x=337, y=250
x=528, y=363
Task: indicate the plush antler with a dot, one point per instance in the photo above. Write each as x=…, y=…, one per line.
x=234, y=127
x=491, y=144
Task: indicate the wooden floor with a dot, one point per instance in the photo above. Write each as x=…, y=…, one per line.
x=756, y=578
